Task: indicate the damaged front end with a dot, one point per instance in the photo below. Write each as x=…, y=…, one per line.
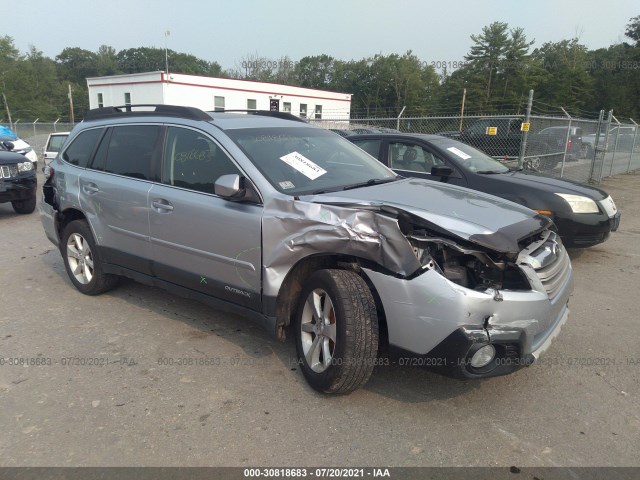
x=479, y=304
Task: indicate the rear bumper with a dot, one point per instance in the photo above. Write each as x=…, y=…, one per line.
x=48, y=217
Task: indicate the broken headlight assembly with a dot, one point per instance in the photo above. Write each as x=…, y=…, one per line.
x=467, y=266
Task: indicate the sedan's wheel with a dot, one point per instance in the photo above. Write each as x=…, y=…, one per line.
x=336, y=331
x=532, y=163
x=81, y=260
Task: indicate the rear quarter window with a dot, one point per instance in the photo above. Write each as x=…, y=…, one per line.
x=81, y=149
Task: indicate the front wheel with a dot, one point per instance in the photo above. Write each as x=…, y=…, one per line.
x=336, y=331
x=82, y=260
x=24, y=206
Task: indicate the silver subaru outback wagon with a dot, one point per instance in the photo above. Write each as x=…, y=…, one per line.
x=261, y=214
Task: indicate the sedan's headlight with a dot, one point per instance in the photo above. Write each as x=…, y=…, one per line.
x=25, y=166
x=579, y=204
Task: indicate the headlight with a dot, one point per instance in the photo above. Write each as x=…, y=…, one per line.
x=579, y=204
x=25, y=167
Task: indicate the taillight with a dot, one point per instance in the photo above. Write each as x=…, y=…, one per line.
x=48, y=172
x=568, y=144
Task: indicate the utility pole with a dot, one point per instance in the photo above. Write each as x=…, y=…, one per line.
x=6, y=106
x=70, y=95
x=464, y=98
x=166, y=52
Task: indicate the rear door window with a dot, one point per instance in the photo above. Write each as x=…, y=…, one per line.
x=131, y=151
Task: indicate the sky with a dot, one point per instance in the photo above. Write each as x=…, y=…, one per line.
x=228, y=31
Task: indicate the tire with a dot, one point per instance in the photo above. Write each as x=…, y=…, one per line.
x=24, y=206
x=588, y=151
x=336, y=359
x=82, y=260
x=549, y=163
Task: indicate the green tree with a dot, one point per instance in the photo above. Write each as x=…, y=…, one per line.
x=565, y=80
x=633, y=29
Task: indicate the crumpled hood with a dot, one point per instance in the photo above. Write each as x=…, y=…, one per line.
x=474, y=216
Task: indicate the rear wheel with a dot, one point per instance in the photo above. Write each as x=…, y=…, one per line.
x=82, y=260
x=336, y=331
x=24, y=206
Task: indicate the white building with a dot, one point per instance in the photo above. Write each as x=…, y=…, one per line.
x=210, y=93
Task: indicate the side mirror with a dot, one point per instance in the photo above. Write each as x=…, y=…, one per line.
x=441, y=171
x=8, y=145
x=230, y=187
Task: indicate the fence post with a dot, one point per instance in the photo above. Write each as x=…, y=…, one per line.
x=595, y=145
x=54, y=124
x=34, y=126
x=566, y=142
x=398, y=118
x=523, y=144
x=615, y=146
x=606, y=144
x=633, y=144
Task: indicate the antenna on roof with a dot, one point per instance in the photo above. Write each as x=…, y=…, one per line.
x=166, y=52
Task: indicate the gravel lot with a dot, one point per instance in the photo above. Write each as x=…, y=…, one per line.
x=252, y=407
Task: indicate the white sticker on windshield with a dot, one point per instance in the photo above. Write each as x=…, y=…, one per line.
x=303, y=165
x=286, y=184
x=459, y=153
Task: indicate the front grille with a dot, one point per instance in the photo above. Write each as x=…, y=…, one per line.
x=550, y=261
x=8, y=171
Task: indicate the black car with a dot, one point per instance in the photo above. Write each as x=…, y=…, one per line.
x=583, y=215
x=17, y=180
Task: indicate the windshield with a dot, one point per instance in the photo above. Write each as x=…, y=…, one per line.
x=302, y=160
x=469, y=158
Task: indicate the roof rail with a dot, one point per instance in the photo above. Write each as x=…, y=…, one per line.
x=266, y=113
x=191, y=113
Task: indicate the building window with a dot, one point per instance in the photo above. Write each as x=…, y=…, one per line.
x=251, y=104
x=218, y=104
x=303, y=110
x=127, y=98
x=318, y=112
x=100, y=101
x=286, y=106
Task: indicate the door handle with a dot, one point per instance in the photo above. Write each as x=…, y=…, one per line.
x=162, y=205
x=90, y=188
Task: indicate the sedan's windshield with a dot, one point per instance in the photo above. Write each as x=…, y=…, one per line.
x=469, y=158
x=302, y=160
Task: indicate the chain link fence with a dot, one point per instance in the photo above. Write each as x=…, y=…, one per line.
x=577, y=149
x=36, y=133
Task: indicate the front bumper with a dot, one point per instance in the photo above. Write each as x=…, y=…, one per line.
x=430, y=316
x=586, y=230
x=452, y=356
x=18, y=188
